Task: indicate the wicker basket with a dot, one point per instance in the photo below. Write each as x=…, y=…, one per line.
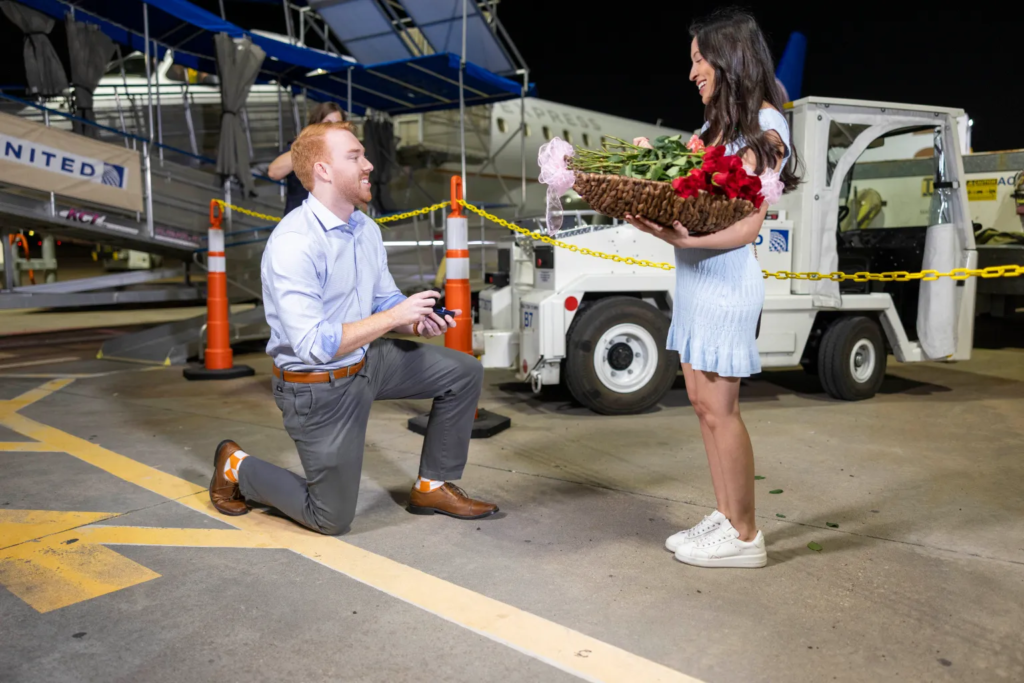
x=616, y=196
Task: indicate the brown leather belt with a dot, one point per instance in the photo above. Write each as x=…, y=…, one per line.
x=318, y=377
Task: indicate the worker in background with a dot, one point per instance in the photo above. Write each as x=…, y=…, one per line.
x=329, y=301
x=281, y=167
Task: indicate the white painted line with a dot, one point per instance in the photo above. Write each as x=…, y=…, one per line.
x=45, y=361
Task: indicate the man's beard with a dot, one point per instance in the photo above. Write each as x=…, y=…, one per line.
x=358, y=193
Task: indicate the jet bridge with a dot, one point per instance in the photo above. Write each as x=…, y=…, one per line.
x=172, y=223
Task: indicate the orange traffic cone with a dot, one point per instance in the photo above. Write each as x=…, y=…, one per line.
x=218, y=357
x=457, y=296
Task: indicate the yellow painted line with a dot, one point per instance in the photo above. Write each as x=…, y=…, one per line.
x=564, y=648
x=53, y=571
x=49, y=575
x=26, y=447
x=78, y=375
x=162, y=483
x=559, y=646
x=31, y=396
x=53, y=559
x=191, y=538
x=44, y=361
x=51, y=375
x=18, y=526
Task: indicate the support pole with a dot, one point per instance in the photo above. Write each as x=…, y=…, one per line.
x=159, y=114
x=227, y=202
x=187, y=104
x=149, y=74
x=10, y=265
x=288, y=20
x=280, y=119
x=433, y=250
x=349, y=96
x=120, y=116
x=218, y=359
x=522, y=132
x=462, y=96
x=147, y=147
x=53, y=197
x=280, y=127
x=419, y=253
x=49, y=259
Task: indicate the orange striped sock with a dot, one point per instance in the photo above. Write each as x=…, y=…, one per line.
x=428, y=485
x=233, y=463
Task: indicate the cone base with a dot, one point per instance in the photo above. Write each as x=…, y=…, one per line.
x=199, y=372
x=486, y=424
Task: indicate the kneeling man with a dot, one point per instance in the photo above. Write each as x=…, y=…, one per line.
x=329, y=299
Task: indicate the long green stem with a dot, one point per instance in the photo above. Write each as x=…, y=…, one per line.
x=668, y=159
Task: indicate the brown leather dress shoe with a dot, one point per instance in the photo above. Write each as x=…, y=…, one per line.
x=450, y=500
x=224, y=493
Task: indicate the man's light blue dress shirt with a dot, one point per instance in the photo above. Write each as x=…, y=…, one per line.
x=318, y=273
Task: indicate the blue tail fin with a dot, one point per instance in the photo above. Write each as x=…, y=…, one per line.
x=790, y=71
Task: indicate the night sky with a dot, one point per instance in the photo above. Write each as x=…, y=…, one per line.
x=634, y=62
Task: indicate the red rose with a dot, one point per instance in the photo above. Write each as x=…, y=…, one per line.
x=721, y=163
x=750, y=186
x=729, y=182
x=691, y=184
x=712, y=152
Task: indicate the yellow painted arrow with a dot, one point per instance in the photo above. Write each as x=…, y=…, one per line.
x=52, y=560
x=50, y=570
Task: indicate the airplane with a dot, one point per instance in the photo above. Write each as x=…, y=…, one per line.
x=429, y=144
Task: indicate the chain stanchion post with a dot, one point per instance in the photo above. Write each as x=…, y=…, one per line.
x=457, y=296
x=218, y=359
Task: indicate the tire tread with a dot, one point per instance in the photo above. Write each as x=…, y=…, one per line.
x=832, y=360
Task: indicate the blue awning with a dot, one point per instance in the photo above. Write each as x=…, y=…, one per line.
x=411, y=86
x=367, y=33
x=400, y=87
x=441, y=22
x=188, y=30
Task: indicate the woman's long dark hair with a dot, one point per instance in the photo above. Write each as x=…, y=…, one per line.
x=732, y=42
x=321, y=110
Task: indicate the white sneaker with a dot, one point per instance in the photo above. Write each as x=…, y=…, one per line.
x=710, y=523
x=723, y=548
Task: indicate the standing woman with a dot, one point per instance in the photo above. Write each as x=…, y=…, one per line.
x=281, y=167
x=719, y=285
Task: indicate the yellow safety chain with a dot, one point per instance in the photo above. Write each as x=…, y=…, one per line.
x=892, y=276
x=628, y=260
x=410, y=214
x=386, y=219
x=255, y=214
x=902, y=275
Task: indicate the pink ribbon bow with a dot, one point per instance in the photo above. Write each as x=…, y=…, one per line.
x=556, y=175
